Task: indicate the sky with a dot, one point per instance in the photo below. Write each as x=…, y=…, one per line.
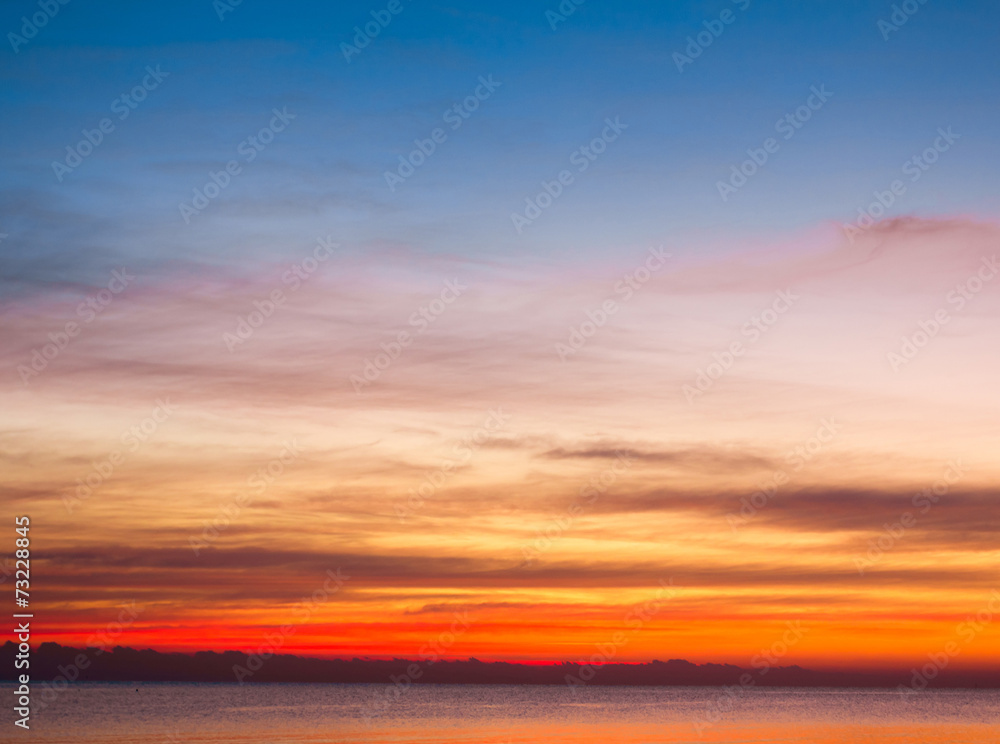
x=508, y=312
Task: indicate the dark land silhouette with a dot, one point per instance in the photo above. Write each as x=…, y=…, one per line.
x=51, y=661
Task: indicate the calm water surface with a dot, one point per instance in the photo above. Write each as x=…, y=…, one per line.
x=316, y=714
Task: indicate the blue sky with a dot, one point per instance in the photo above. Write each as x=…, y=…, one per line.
x=325, y=173
x=341, y=363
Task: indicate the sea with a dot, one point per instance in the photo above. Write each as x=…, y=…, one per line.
x=168, y=713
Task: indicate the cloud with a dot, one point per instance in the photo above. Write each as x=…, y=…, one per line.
x=365, y=453
x=699, y=458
